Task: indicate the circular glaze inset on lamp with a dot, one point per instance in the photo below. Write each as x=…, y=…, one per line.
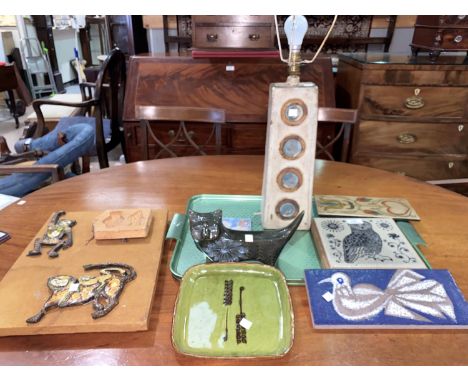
x=287, y=209
x=292, y=147
x=289, y=179
x=293, y=112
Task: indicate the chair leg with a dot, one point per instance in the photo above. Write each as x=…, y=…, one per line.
x=76, y=167
x=346, y=142
x=144, y=126
x=85, y=164
x=103, y=160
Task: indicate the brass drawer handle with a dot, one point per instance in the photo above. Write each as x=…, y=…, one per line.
x=254, y=37
x=415, y=101
x=451, y=164
x=406, y=138
x=460, y=128
x=458, y=39
x=211, y=37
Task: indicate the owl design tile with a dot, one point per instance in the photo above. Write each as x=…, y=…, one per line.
x=363, y=243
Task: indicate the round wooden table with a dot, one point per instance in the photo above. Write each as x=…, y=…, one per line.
x=169, y=183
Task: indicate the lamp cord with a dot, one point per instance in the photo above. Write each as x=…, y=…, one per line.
x=318, y=50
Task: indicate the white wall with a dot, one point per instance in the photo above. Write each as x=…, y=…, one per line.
x=64, y=41
x=5, y=44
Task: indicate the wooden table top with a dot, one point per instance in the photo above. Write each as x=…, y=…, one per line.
x=169, y=183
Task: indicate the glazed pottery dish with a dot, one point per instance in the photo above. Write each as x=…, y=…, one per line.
x=233, y=310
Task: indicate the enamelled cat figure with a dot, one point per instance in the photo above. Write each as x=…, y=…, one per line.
x=222, y=244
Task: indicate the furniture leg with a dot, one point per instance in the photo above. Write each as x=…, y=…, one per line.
x=13, y=111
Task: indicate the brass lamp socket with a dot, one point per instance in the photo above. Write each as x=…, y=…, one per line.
x=294, y=64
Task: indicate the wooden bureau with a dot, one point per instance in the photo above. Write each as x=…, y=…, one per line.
x=423, y=136
x=240, y=86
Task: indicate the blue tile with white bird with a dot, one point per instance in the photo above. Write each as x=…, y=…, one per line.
x=390, y=298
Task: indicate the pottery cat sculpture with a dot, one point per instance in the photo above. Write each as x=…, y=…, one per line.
x=222, y=244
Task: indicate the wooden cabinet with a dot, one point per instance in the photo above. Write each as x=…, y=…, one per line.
x=240, y=86
x=127, y=33
x=238, y=32
x=44, y=29
x=440, y=33
x=413, y=113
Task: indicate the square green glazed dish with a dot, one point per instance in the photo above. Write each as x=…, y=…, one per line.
x=201, y=315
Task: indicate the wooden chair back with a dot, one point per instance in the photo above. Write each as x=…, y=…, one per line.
x=180, y=114
x=103, y=100
x=347, y=118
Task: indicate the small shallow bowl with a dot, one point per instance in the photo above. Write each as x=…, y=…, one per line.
x=200, y=316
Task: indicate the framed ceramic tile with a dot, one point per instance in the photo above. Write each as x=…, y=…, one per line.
x=385, y=299
x=363, y=243
x=364, y=206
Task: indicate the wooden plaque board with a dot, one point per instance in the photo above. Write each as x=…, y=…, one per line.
x=24, y=290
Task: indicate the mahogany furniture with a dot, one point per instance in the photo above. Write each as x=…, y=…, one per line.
x=351, y=33
x=438, y=34
x=421, y=135
x=127, y=34
x=56, y=172
x=181, y=141
x=238, y=32
x=240, y=86
x=8, y=83
x=53, y=113
x=103, y=100
x=169, y=183
x=44, y=28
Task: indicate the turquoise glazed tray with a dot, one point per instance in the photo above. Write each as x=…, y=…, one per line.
x=204, y=326
x=298, y=254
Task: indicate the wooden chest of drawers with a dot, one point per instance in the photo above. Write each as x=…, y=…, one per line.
x=238, y=32
x=440, y=33
x=413, y=114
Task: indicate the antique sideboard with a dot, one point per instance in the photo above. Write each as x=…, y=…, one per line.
x=413, y=113
x=240, y=86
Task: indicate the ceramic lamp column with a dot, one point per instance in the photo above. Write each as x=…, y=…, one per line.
x=289, y=153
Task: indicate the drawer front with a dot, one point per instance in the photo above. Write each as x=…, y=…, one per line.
x=422, y=138
x=233, y=37
x=449, y=39
x=454, y=20
x=430, y=102
x=419, y=167
x=455, y=76
x=454, y=38
x=442, y=21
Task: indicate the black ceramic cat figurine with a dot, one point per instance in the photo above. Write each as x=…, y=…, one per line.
x=222, y=244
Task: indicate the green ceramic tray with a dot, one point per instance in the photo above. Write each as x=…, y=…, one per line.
x=298, y=254
x=199, y=321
